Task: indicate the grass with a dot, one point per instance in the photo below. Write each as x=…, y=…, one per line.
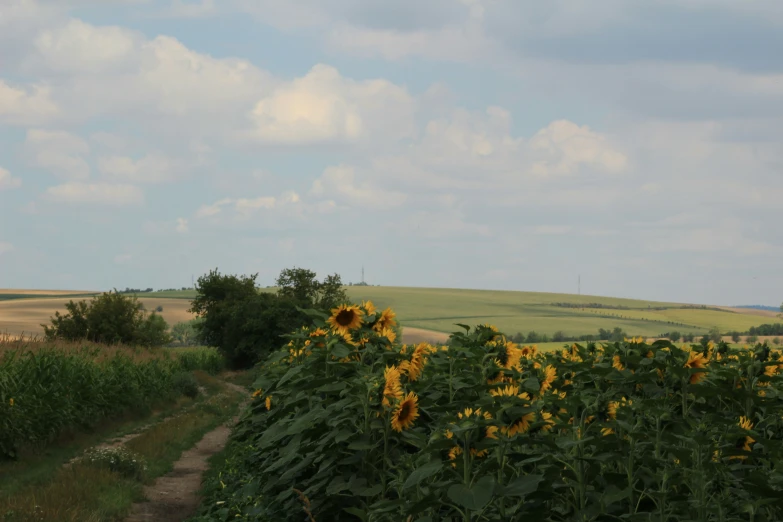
x=87, y=494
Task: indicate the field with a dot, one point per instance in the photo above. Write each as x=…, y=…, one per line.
x=25, y=315
x=349, y=425
x=426, y=310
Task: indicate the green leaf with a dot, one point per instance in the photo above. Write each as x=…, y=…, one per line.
x=473, y=498
x=466, y=327
x=532, y=384
x=340, y=351
x=522, y=486
x=422, y=473
x=356, y=512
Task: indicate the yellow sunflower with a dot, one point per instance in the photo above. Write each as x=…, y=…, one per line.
x=520, y=426
x=416, y=365
x=547, y=418
x=550, y=374
x=745, y=423
x=389, y=334
x=393, y=389
x=507, y=391
x=617, y=364
x=509, y=357
x=406, y=412
x=386, y=320
x=345, y=318
x=696, y=360
x=257, y=393
x=454, y=452
x=612, y=409
x=369, y=308
x=492, y=432
x=268, y=402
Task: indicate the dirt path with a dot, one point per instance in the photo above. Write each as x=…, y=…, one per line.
x=412, y=335
x=175, y=496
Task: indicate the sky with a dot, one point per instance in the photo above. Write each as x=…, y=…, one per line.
x=491, y=144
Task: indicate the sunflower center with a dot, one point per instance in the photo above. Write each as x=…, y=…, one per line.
x=405, y=410
x=345, y=317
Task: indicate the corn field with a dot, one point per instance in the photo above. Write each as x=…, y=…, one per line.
x=48, y=389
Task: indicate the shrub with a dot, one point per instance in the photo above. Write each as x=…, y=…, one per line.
x=206, y=359
x=735, y=337
x=111, y=318
x=776, y=340
x=752, y=339
x=186, y=383
x=117, y=460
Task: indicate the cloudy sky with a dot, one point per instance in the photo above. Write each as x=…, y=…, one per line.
x=499, y=144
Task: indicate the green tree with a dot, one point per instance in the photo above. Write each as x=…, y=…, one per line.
x=735, y=337
x=216, y=294
x=245, y=325
x=674, y=336
x=186, y=332
x=109, y=318
x=715, y=335
x=302, y=286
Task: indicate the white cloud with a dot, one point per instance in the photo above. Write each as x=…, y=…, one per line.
x=182, y=225
x=323, y=106
x=31, y=106
x=148, y=169
x=95, y=193
x=565, y=147
x=245, y=208
x=79, y=47
x=339, y=183
x=7, y=181
x=58, y=151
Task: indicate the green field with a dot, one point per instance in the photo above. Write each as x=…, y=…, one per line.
x=439, y=309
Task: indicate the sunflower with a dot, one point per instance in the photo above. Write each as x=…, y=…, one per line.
x=369, y=308
x=449, y=434
x=393, y=388
x=418, y=359
x=492, y=432
x=478, y=453
x=255, y=393
x=527, y=352
x=550, y=374
x=547, y=418
x=11, y=402
x=606, y=431
x=509, y=357
x=771, y=370
x=507, y=391
x=520, y=426
x=745, y=423
x=389, y=334
x=348, y=339
x=386, y=320
x=611, y=409
x=617, y=364
x=268, y=402
x=696, y=360
x=454, y=452
x=345, y=318
x=405, y=413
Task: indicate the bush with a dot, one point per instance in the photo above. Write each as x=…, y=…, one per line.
x=735, y=337
x=186, y=383
x=117, y=460
x=111, y=318
x=776, y=340
x=185, y=333
x=752, y=339
x=205, y=359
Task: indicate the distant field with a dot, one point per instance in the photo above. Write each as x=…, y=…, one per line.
x=428, y=313
x=24, y=316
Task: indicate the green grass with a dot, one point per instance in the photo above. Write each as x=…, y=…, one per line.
x=440, y=309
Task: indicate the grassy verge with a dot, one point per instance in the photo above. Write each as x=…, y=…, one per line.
x=85, y=493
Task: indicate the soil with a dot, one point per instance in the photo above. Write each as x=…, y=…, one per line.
x=420, y=335
x=174, y=497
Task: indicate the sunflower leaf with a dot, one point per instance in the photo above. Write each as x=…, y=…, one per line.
x=473, y=498
x=422, y=473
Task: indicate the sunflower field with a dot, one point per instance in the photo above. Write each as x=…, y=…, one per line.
x=47, y=389
x=348, y=424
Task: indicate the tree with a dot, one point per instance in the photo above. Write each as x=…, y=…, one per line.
x=674, y=336
x=109, y=318
x=533, y=337
x=185, y=332
x=216, y=293
x=715, y=335
x=243, y=324
x=735, y=337
x=558, y=337
x=302, y=286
